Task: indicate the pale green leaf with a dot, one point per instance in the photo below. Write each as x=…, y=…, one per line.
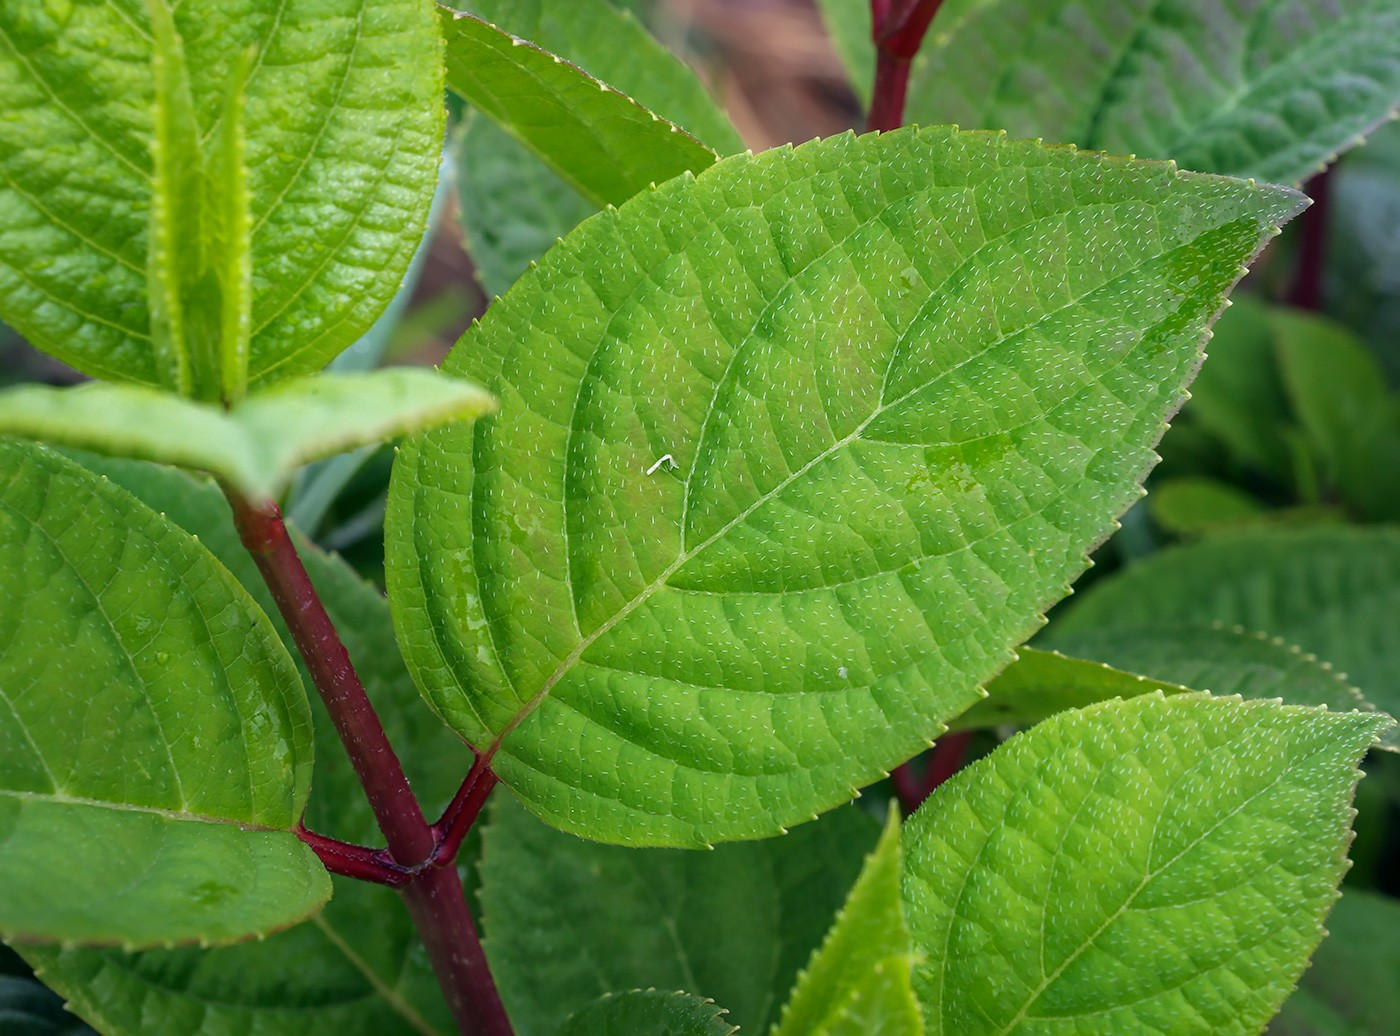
x=568, y=920
x=858, y=982
x=357, y=968
x=612, y=46
x=28, y=1009
x=1193, y=506
x=257, y=444
x=791, y=456
x=1158, y=866
x=343, y=128
x=1270, y=91
x=1039, y=684
x=648, y=1012
x=1332, y=590
x=156, y=742
x=1350, y=989
x=601, y=142
x=512, y=207
x=848, y=24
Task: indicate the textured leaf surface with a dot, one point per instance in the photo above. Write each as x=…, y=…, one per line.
x=1263, y=90
x=648, y=1012
x=343, y=125
x=1155, y=866
x=603, y=143
x=858, y=983
x=612, y=46
x=1350, y=989
x=357, y=969
x=1222, y=660
x=257, y=444
x=1041, y=683
x=512, y=207
x=791, y=455
x=567, y=920
x=1333, y=590
x=156, y=742
x=848, y=24
x=28, y=1009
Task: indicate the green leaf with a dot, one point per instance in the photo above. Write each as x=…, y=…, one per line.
x=152, y=766
x=28, y=1009
x=261, y=441
x=1352, y=419
x=512, y=207
x=342, y=125
x=601, y=142
x=1332, y=590
x=1350, y=989
x=848, y=24
x=791, y=456
x=1039, y=684
x=1155, y=866
x=1222, y=660
x=1269, y=91
x=356, y=969
x=1195, y=506
x=858, y=983
x=612, y=46
x=647, y=1012
x=568, y=920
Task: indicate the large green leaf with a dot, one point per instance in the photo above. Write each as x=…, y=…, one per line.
x=647, y=1012
x=791, y=455
x=1158, y=866
x=343, y=132
x=858, y=983
x=1265, y=90
x=512, y=207
x=1350, y=989
x=610, y=45
x=357, y=969
x=1332, y=590
x=257, y=444
x=156, y=742
x=567, y=920
x=603, y=143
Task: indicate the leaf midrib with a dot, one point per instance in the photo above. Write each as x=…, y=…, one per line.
x=61, y=799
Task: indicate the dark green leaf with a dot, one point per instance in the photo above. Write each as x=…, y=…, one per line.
x=647, y=1012
x=568, y=920
x=1193, y=506
x=1156, y=866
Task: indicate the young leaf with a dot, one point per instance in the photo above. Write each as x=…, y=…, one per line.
x=261, y=441
x=352, y=971
x=512, y=207
x=1157, y=865
x=1350, y=989
x=1271, y=92
x=647, y=1012
x=1332, y=590
x=157, y=744
x=848, y=25
x=602, y=143
x=791, y=455
x=735, y=924
x=858, y=983
x=338, y=182
x=610, y=45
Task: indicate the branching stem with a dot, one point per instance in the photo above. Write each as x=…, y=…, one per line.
x=355, y=861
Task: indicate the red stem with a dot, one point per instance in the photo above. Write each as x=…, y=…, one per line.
x=462, y=811
x=897, y=28
x=355, y=861
x=433, y=892
x=907, y=788
x=1312, y=248
x=946, y=758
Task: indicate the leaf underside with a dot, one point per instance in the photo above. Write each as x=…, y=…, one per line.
x=1333, y=591
x=155, y=743
x=1271, y=91
x=790, y=456
x=343, y=133
x=353, y=970
x=1153, y=866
